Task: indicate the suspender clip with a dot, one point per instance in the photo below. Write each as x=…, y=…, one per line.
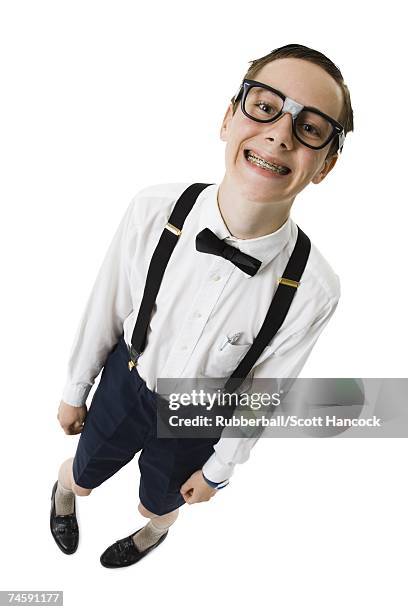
x=173, y=228
x=289, y=282
x=134, y=356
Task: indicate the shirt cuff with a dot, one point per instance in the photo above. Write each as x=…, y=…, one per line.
x=215, y=485
x=76, y=394
x=217, y=471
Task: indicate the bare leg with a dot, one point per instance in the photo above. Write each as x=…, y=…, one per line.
x=66, y=478
x=145, y=512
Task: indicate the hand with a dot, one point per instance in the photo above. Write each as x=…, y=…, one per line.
x=71, y=418
x=195, y=489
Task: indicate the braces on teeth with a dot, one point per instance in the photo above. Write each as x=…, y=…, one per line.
x=264, y=164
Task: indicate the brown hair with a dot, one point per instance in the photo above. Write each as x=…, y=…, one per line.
x=311, y=55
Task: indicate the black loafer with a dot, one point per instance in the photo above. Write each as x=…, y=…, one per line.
x=64, y=527
x=124, y=552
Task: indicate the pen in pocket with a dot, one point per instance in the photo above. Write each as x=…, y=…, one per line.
x=230, y=339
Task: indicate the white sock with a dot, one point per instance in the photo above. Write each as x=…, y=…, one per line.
x=151, y=533
x=64, y=500
x=148, y=536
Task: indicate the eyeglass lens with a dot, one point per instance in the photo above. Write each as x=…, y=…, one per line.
x=311, y=128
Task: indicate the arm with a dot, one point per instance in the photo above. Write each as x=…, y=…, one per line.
x=286, y=362
x=109, y=303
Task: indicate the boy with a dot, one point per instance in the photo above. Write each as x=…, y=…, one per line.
x=198, y=312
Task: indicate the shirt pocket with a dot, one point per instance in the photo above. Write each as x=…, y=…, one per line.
x=222, y=362
x=224, y=357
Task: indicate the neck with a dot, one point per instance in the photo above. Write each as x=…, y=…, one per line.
x=249, y=218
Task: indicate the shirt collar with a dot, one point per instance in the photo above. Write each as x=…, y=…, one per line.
x=264, y=248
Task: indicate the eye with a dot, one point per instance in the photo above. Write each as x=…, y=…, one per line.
x=267, y=108
x=310, y=129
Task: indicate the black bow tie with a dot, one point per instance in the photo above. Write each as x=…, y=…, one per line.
x=208, y=242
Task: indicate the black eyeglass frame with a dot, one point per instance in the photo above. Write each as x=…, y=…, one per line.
x=338, y=129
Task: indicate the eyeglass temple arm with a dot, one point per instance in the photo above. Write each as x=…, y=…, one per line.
x=342, y=138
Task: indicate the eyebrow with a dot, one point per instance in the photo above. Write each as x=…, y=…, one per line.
x=313, y=108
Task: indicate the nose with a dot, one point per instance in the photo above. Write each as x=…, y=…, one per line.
x=281, y=131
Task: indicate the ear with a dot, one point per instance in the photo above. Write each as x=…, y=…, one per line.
x=225, y=122
x=325, y=169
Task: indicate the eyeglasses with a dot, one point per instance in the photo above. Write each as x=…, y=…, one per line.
x=312, y=127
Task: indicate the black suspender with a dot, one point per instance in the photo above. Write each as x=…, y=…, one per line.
x=158, y=264
x=278, y=308
x=277, y=311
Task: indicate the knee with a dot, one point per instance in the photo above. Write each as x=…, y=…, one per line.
x=144, y=511
x=80, y=490
x=66, y=477
x=169, y=517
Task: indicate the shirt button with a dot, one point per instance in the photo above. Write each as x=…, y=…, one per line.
x=216, y=277
x=184, y=347
x=197, y=315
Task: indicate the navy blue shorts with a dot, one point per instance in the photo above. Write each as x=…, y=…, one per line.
x=121, y=421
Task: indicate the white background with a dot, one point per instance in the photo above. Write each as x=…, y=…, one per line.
x=305, y=525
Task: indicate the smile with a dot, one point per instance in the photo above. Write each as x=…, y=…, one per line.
x=262, y=163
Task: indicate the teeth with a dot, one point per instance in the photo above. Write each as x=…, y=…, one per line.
x=264, y=164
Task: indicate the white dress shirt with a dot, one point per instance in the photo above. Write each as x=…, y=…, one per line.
x=203, y=299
